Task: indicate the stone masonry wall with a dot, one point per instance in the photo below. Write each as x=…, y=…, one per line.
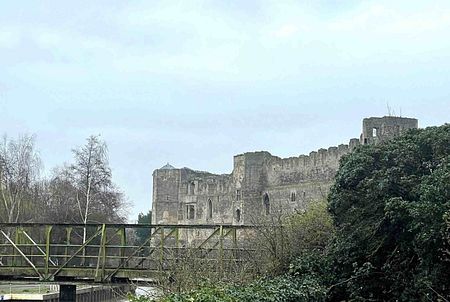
x=260, y=184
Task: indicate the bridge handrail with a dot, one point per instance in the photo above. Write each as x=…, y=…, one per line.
x=126, y=225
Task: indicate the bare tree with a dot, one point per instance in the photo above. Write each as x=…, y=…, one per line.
x=58, y=197
x=91, y=177
x=19, y=169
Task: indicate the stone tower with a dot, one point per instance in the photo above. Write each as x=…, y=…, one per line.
x=166, y=182
x=378, y=129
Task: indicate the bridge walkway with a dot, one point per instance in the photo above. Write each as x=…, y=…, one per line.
x=108, y=253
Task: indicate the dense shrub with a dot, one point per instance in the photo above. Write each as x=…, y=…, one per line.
x=389, y=204
x=286, y=288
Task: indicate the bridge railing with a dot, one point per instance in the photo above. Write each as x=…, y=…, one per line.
x=114, y=252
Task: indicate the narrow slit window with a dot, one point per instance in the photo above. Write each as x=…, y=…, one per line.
x=210, y=209
x=266, y=202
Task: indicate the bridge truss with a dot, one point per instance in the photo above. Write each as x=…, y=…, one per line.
x=114, y=252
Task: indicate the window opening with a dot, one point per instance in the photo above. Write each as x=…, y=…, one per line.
x=210, y=209
x=266, y=202
x=293, y=197
x=191, y=188
x=238, y=215
x=190, y=212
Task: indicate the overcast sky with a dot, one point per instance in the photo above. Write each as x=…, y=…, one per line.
x=195, y=82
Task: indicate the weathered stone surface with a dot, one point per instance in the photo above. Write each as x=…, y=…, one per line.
x=260, y=184
x=378, y=129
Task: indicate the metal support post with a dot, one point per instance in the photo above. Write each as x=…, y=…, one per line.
x=221, y=249
x=101, y=259
x=161, y=258
x=235, y=245
x=48, y=233
x=66, y=250
x=123, y=243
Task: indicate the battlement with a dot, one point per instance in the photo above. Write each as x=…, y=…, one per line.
x=314, y=158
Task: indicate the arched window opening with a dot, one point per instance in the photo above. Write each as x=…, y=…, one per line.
x=191, y=188
x=210, y=209
x=266, y=203
x=293, y=197
x=238, y=215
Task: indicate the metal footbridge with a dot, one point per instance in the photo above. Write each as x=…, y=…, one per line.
x=111, y=253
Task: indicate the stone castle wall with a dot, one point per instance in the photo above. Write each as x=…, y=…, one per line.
x=260, y=184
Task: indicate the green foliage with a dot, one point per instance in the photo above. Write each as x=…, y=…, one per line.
x=287, y=238
x=143, y=234
x=145, y=218
x=310, y=230
x=389, y=205
x=286, y=288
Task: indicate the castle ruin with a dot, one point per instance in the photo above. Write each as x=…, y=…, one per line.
x=260, y=184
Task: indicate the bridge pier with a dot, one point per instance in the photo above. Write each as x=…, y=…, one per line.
x=67, y=293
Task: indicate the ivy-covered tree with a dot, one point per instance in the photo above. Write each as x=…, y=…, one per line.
x=390, y=205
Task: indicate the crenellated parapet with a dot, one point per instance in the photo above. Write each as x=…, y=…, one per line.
x=317, y=165
x=321, y=157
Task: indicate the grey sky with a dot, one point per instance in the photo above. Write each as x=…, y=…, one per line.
x=195, y=82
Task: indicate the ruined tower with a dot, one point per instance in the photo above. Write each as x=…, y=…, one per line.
x=378, y=129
